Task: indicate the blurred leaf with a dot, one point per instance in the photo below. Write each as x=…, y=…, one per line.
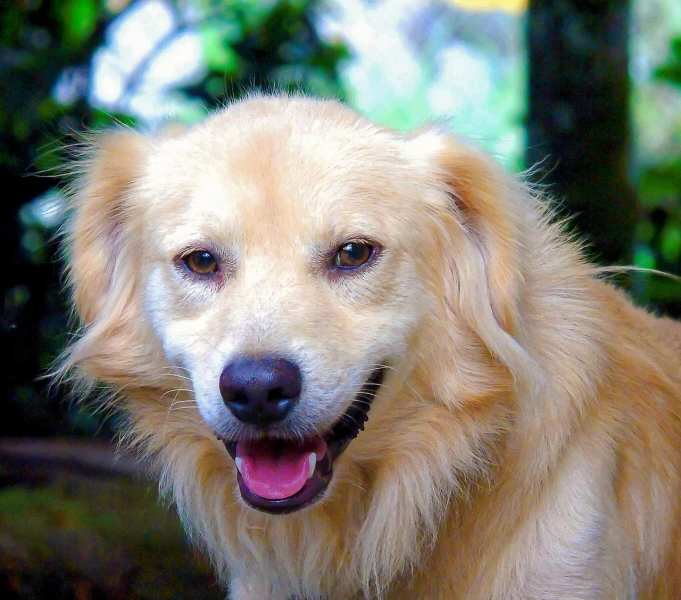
x=645, y=231
x=664, y=289
x=660, y=181
x=80, y=20
x=671, y=70
x=33, y=244
x=218, y=54
x=252, y=14
x=17, y=296
x=670, y=243
x=329, y=56
x=659, y=236
x=48, y=109
x=644, y=257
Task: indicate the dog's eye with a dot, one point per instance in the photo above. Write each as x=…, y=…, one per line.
x=200, y=262
x=352, y=255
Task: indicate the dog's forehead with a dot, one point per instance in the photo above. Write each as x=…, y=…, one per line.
x=278, y=175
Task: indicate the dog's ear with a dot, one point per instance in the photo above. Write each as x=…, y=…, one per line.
x=480, y=215
x=100, y=224
x=479, y=208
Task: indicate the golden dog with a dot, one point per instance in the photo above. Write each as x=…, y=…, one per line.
x=251, y=287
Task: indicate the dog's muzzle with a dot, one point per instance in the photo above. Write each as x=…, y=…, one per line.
x=281, y=476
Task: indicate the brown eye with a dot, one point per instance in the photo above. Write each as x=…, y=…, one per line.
x=353, y=255
x=200, y=262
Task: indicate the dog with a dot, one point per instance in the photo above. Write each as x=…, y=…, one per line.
x=370, y=364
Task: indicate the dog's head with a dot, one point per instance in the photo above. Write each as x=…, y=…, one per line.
x=292, y=265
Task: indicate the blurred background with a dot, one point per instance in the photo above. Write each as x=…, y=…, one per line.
x=589, y=91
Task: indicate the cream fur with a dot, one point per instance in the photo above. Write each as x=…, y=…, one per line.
x=527, y=441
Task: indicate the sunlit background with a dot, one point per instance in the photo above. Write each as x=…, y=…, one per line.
x=407, y=62
x=71, y=65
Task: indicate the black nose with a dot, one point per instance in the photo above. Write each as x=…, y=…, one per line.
x=260, y=391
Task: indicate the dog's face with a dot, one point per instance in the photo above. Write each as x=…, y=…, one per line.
x=283, y=280
x=286, y=257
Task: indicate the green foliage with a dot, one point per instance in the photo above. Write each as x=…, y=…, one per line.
x=265, y=44
x=659, y=233
x=671, y=70
x=79, y=20
x=97, y=534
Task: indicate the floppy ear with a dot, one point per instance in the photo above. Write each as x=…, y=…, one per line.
x=484, y=199
x=479, y=211
x=103, y=240
x=99, y=228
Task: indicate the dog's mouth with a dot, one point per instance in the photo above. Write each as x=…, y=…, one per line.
x=281, y=476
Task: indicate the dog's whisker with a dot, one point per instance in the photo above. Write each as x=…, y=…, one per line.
x=364, y=402
x=169, y=367
x=170, y=409
x=184, y=403
x=176, y=376
x=119, y=391
x=354, y=422
x=178, y=390
x=352, y=483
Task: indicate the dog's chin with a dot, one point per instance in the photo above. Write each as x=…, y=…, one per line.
x=280, y=476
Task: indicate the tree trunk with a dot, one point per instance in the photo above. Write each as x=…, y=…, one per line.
x=578, y=127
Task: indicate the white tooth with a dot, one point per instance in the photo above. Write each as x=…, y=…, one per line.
x=312, y=459
x=238, y=462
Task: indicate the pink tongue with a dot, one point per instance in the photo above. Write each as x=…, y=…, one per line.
x=275, y=469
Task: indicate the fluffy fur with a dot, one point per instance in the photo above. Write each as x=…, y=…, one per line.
x=527, y=441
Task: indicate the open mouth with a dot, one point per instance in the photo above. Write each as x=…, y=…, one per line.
x=281, y=476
